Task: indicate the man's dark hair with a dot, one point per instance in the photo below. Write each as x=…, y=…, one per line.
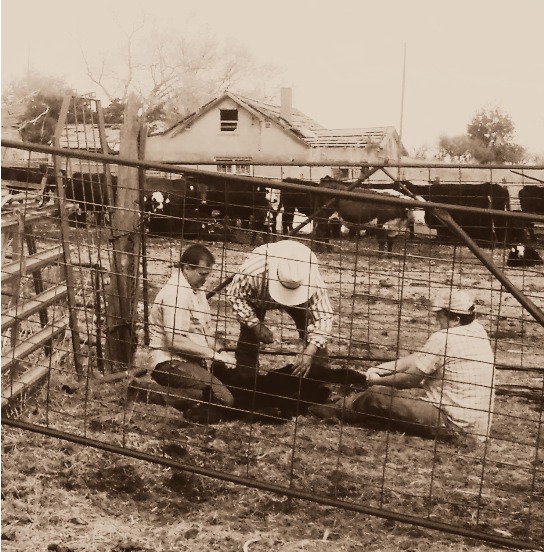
x=464, y=319
x=194, y=254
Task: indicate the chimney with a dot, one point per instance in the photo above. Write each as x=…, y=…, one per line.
x=286, y=108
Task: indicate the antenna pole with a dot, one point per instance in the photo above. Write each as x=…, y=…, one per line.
x=402, y=107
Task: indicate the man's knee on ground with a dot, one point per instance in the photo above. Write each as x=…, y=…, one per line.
x=371, y=401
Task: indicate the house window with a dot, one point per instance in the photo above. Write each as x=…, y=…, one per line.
x=341, y=173
x=229, y=165
x=242, y=169
x=229, y=119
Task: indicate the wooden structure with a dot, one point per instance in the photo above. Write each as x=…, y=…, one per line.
x=81, y=127
x=26, y=258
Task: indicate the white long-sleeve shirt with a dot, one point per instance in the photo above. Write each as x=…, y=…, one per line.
x=178, y=310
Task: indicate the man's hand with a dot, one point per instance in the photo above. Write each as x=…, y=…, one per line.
x=219, y=344
x=303, y=361
x=374, y=374
x=263, y=333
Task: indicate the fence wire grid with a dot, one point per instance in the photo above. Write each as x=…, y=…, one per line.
x=493, y=490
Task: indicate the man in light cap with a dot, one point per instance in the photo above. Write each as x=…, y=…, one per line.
x=453, y=374
x=281, y=275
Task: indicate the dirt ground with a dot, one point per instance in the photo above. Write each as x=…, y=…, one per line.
x=62, y=496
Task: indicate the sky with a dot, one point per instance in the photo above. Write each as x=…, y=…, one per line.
x=344, y=60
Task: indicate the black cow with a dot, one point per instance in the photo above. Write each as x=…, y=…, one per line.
x=522, y=255
x=176, y=207
x=235, y=201
x=350, y=211
x=484, y=229
x=307, y=204
x=531, y=199
x=32, y=175
x=89, y=191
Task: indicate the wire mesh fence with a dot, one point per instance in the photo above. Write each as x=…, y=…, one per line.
x=490, y=488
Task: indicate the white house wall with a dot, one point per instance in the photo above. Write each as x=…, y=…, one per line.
x=257, y=138
x=204, y=141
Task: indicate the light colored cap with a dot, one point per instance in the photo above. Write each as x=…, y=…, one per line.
x=453, y=300
x=292, y=272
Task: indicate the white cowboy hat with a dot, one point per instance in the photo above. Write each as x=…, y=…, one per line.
x=455, y=300
x=292, y=272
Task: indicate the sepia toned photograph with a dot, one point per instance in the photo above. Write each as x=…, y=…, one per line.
x=272, y=276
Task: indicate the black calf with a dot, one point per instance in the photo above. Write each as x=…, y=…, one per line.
x=282, y=395
x=521, y=255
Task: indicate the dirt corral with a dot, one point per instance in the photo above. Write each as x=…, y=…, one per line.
x=62, y=496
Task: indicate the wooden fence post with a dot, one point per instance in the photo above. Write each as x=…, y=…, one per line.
x=125, y=248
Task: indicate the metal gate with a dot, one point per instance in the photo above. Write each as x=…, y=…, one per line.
x=490, y=491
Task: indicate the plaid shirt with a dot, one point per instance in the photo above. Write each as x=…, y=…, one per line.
x=459, y=365
x=248, y=291
x=178, y=309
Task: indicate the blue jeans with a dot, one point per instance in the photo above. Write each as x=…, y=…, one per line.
x=193, y=380
x=385, y=407
x=247, y=348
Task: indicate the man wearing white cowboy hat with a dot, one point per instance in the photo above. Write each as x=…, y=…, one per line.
x=453, y=374
x=281, y=275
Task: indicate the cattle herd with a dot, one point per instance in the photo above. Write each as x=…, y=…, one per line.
x=208, y=206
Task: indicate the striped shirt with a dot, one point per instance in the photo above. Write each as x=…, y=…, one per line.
x=178, y=310
x=248, y=291
x=459, y=365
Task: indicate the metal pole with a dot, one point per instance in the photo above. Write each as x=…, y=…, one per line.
x=273, y=488
x=172, y=166
x=401, y=109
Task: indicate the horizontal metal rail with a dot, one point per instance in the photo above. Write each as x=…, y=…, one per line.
x=277, y=489
x=279, y=184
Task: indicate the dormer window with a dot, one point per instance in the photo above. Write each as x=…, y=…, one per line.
x=229, y=120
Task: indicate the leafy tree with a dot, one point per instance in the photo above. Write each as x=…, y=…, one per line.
x=113, y=113
x=42, y=97
x=489, y=139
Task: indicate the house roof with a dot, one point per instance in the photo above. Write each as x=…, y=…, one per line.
x=353, y=137
x=87, y=137
x=300, y=122
x=303, y=127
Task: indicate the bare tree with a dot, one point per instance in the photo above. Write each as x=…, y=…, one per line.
x=174, y=74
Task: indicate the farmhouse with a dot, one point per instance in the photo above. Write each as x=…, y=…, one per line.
x=233, y=133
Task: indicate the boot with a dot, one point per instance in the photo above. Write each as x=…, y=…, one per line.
x=150, y=392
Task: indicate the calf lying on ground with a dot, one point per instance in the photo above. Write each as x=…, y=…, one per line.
x=521, y=255
x=274, y=396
